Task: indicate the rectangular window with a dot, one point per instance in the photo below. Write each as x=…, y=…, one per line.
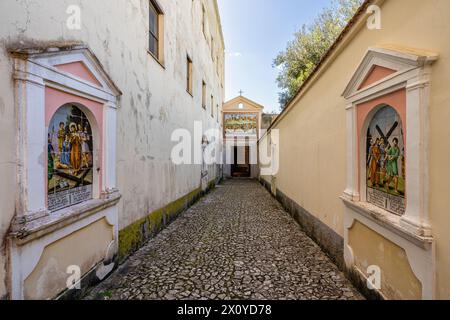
x=212, y=106
x=212, y=48
x=204, y=20
x=218, y=114
x=204, y=95
x=217, y=65
x=189, y=75
x=155, y=30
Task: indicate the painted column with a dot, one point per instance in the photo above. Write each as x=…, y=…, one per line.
x=275, y=151
x=32, y=143
x=352, y=190
x=416, y=218
x=110, y=148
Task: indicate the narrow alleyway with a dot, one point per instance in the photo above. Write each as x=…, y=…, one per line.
x=236, y=243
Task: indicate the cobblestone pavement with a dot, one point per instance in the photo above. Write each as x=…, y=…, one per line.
x=236, y=243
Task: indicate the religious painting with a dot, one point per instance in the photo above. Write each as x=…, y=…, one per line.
x=385, y=161
x=70, y=158
x=241, y=124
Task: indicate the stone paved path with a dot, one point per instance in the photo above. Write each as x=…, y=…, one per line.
x=236, y=243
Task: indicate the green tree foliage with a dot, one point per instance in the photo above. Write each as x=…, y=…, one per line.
x=310, y=43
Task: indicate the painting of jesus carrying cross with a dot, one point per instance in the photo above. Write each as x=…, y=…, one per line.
x=385, y=159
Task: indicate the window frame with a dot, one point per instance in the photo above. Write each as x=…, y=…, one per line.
x=217, y=65
x=212, y=48
x=189, y=75
x=204, y=89
x=159, y=37
x=204, y=18
x=218, y=113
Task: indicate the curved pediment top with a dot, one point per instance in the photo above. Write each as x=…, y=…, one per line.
x=72, y=59
x=383, y=62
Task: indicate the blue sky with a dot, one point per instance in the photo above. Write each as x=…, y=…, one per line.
x=255, y=31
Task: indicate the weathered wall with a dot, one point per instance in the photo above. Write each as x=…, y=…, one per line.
x=371, y=249
x=154, y=101
x=313, y=134
x=50, y=275
x=7, y=161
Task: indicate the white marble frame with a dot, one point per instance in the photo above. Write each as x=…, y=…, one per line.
x=33, y=72
x=413, y=230
x=32, y=75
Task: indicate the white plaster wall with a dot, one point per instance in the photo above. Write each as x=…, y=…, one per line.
x=154, y=101
x=7, y=160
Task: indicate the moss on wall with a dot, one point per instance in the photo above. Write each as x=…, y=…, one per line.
x=137, y=234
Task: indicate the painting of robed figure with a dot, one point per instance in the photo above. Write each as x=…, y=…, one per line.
x=385, y=161
x=70, y=157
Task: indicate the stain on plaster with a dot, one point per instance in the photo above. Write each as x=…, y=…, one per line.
x=133, y=237
x=2, y=106
x=163, y=116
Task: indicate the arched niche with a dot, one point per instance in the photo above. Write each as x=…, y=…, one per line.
x=383, y=159
x=73, y=157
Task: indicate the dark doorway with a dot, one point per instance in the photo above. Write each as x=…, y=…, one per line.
x=241, y=165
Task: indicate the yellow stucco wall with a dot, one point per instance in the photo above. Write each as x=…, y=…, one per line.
x=371, y=249
x=85, y=248
x=313, y=134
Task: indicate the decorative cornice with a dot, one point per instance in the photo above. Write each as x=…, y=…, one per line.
x=48, y=50
x=27, y=230
x=385, y=220
x=400, y=59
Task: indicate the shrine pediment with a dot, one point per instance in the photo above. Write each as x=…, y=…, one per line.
x=81, y=70
x=76, y=61
x=383, y=63
x=242, y=104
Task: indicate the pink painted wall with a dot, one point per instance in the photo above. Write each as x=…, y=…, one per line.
x=54, y=99
x=79, y=70
x=396, y=100
x=376, y=74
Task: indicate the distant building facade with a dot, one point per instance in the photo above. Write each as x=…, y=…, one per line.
x=90, y=96
x=242, y=127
